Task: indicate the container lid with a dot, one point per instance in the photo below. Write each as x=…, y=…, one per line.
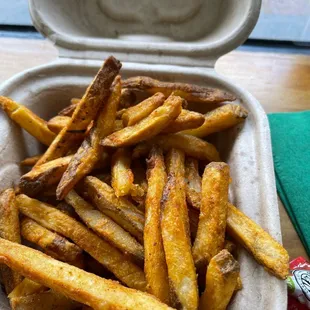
x=179, y=32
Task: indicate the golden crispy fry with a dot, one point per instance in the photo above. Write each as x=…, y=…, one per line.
x=122, y=176
x=44, y=176
x=186, y=120
x=105, y=227
x=30, y=161
x=75, y=283
x=128, y=98
x=57, y=123
x=49, y=300
x=27, y=287
x=26, y=119
x=189, y=92
x=190, y=145
x=119, y=209
x=52, y=244
x=267, y=251
x=136, y=113
x=147, y=127
x=221, y=280
x=193, y=183
x=118, y=125
x=95, y=96
x=88, y=155
x=69, y=110
x=155, y=266
x=9, y=230
x=220, y=119
x=101, y=250
x=181, y=268
x=213, y=212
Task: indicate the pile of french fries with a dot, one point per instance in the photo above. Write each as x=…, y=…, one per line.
x=128, y=207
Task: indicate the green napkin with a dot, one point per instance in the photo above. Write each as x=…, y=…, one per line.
x=290, y=135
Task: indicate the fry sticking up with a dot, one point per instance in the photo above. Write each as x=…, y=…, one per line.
x=193, y=183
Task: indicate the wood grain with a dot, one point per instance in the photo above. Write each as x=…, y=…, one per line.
x=281, y=82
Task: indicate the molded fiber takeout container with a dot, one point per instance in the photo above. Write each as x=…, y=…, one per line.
x=170, y=39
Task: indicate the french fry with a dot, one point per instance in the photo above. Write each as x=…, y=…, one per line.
x=57, y=123
x=95, y=96
x=88, y=155
x=75, y=283
x=219, y=119
x=136, y=113
x=213, y=212
x=174, y=227
x=110, y=257
x=193, y=183
x=105, y=227
x=9, y=230
x=186, y=120
x=26, y=119
x=189, y=92
x=190, y=145
x=119, y=209
x=30, y=161
x=69, y=110
x=122, y=176
x=52, y=244
x=155, y=266
x=148, y=127
x=42, y=177
x=118, y=125
x=221, y=280
x=128, y=98
x=27, y=287
x=267, y=251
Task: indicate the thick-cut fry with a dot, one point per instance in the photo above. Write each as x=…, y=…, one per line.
x=221, y=280
x=51, y=243
x=136, y=113
x=68, y=110
x=44, y=176
x=27, y=287
x=30, y=161
x=155, y=266
x=57, y=123
x=189, y=92
x=267, y=251
x=177, y=246
x=122, y=176
x=186, y=120
x=26, y=119
x=128, y=98
x=193, y=183
x=84, y=287
x=148, y=127
x=101, y=250
x=96, y=95
x=190, y=145
x=105, y=227
x=9, y=230
x=88, y=155
x=213, y=212
x=220, y=119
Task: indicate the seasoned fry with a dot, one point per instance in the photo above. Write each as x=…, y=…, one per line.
x=51, y=243
x=9, y=230
x=189, y=92
x=220, y=119
x=69, y=110
x=57, y=123
x=44, y=176
x=193, y=183
x=267, y=251
x=147, y=127
x=136, y=113
x=88, y=155
x=213, y=212
x=174, y=226
x=84, y=287
x=186, y=120
x=190, y=145
x=221, y=280
x=96, y=95
x=128, y=98
x=122, y=176
x=101, y=250
x=105, y=227
x=119, y=209
x=30, y=161
x=155, y=266
x=26, y=119
x=27, y=287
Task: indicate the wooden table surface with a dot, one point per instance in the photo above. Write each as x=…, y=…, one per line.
x=281, y=82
